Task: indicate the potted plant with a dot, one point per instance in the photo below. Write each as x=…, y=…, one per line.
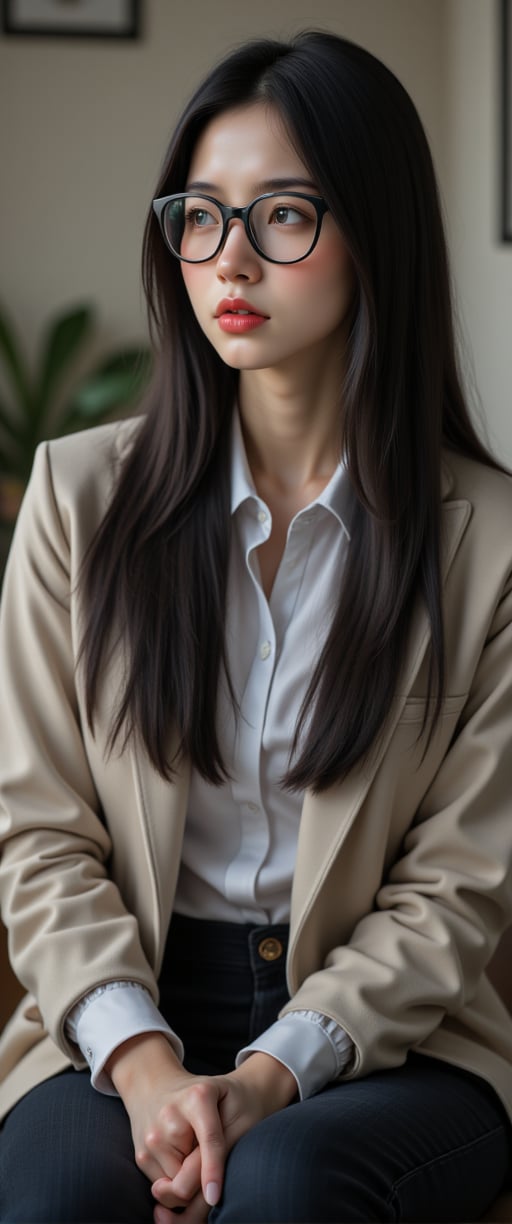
x=39, y=404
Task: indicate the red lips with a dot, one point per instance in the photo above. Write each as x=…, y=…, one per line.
x=232, y=305
x=236, y=324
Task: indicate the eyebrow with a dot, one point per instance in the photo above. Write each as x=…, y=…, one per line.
x=273, y=184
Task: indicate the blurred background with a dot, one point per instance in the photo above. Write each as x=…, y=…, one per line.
x=84, y=124
x=83, y=128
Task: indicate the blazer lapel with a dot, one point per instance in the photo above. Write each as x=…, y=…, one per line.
x=162, y=807
x=327, y=818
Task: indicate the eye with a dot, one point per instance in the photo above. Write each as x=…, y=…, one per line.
x=199, y=218
x=285, y=214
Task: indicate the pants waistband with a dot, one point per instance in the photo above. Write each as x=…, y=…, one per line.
x=232, y=943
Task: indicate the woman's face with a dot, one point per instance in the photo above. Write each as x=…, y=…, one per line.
x=302, y=307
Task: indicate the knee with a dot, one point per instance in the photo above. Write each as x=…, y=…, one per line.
x=74, y=1185
x=283, y=1171
x=111, y=1194
x=115, y=1191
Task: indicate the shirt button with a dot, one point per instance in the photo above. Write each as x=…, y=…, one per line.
x=262, y=516
x=253, y=807
x=270, y=949
x=265, y=650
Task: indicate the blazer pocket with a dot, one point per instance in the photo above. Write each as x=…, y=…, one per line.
x=414, y=708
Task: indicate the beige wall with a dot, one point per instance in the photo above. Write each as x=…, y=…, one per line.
x=83, y=127
x=483, y=265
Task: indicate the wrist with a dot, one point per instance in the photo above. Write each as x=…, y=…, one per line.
x=140, y=1063
x=270, y=1078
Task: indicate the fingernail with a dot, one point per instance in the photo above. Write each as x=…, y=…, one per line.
x=212, y=1194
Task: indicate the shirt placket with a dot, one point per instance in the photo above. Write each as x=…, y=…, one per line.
x=255, y=834
x=241, y=874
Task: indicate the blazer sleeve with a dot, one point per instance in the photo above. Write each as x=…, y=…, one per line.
x=69, y=930
x=438, y=915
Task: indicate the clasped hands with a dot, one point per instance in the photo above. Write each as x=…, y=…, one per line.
x=184, y=1125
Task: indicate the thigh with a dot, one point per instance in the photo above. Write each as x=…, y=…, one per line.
x=424, y=1142
x=66, y=1154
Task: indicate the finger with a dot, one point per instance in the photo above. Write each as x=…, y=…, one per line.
x=162, y=1216
x=151, y=1167
x=163, y=1190
x=187, y=1181
x=182, y=1188
x=196, y=1212
x=210, y=1137
x=172, y=1192
x=165, y=1147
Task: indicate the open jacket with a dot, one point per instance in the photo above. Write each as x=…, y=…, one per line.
x=403, y=880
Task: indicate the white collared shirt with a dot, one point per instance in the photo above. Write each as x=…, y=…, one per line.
x=240, y=838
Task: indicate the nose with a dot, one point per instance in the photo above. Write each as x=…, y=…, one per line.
x=237, y=259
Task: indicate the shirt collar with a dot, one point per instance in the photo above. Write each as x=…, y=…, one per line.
x=242, y=483
x=336, y=497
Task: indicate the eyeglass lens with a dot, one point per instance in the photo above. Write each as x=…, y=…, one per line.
x=283, y=227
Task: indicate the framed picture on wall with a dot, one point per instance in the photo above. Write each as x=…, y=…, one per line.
x=71, y=18
x=506, y=37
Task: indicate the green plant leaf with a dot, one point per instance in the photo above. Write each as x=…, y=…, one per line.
x=99, y=395
x=65, y=337
x=12, y=457
x=134, y=359
x=11, y=427
x=15, y=364
x=117, y=382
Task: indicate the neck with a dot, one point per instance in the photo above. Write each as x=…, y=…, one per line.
x=291, y=426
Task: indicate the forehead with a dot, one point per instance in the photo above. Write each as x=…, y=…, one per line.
x=245, y=145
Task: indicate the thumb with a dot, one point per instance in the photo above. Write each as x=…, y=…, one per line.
x=212, y=1145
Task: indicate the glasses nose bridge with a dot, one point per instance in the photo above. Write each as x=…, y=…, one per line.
x=235, y=214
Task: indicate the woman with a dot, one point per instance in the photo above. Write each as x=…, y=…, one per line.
x=257, y=654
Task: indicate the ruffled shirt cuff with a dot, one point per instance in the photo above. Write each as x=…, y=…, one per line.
x=109, y=1015
x=312, y=1046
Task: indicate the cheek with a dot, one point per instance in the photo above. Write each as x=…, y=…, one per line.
x=193, y=277
x=325, y=278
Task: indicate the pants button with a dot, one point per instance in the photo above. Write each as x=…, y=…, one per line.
x=270, y=949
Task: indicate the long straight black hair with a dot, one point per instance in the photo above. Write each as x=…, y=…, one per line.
x=156, y=574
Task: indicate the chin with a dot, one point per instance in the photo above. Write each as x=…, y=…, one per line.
x=239, y=361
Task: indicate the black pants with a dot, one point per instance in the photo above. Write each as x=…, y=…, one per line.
x=424, y=1142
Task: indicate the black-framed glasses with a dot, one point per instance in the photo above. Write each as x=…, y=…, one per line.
x=283, y=227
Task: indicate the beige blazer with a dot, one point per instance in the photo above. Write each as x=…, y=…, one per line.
x=403, y=877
